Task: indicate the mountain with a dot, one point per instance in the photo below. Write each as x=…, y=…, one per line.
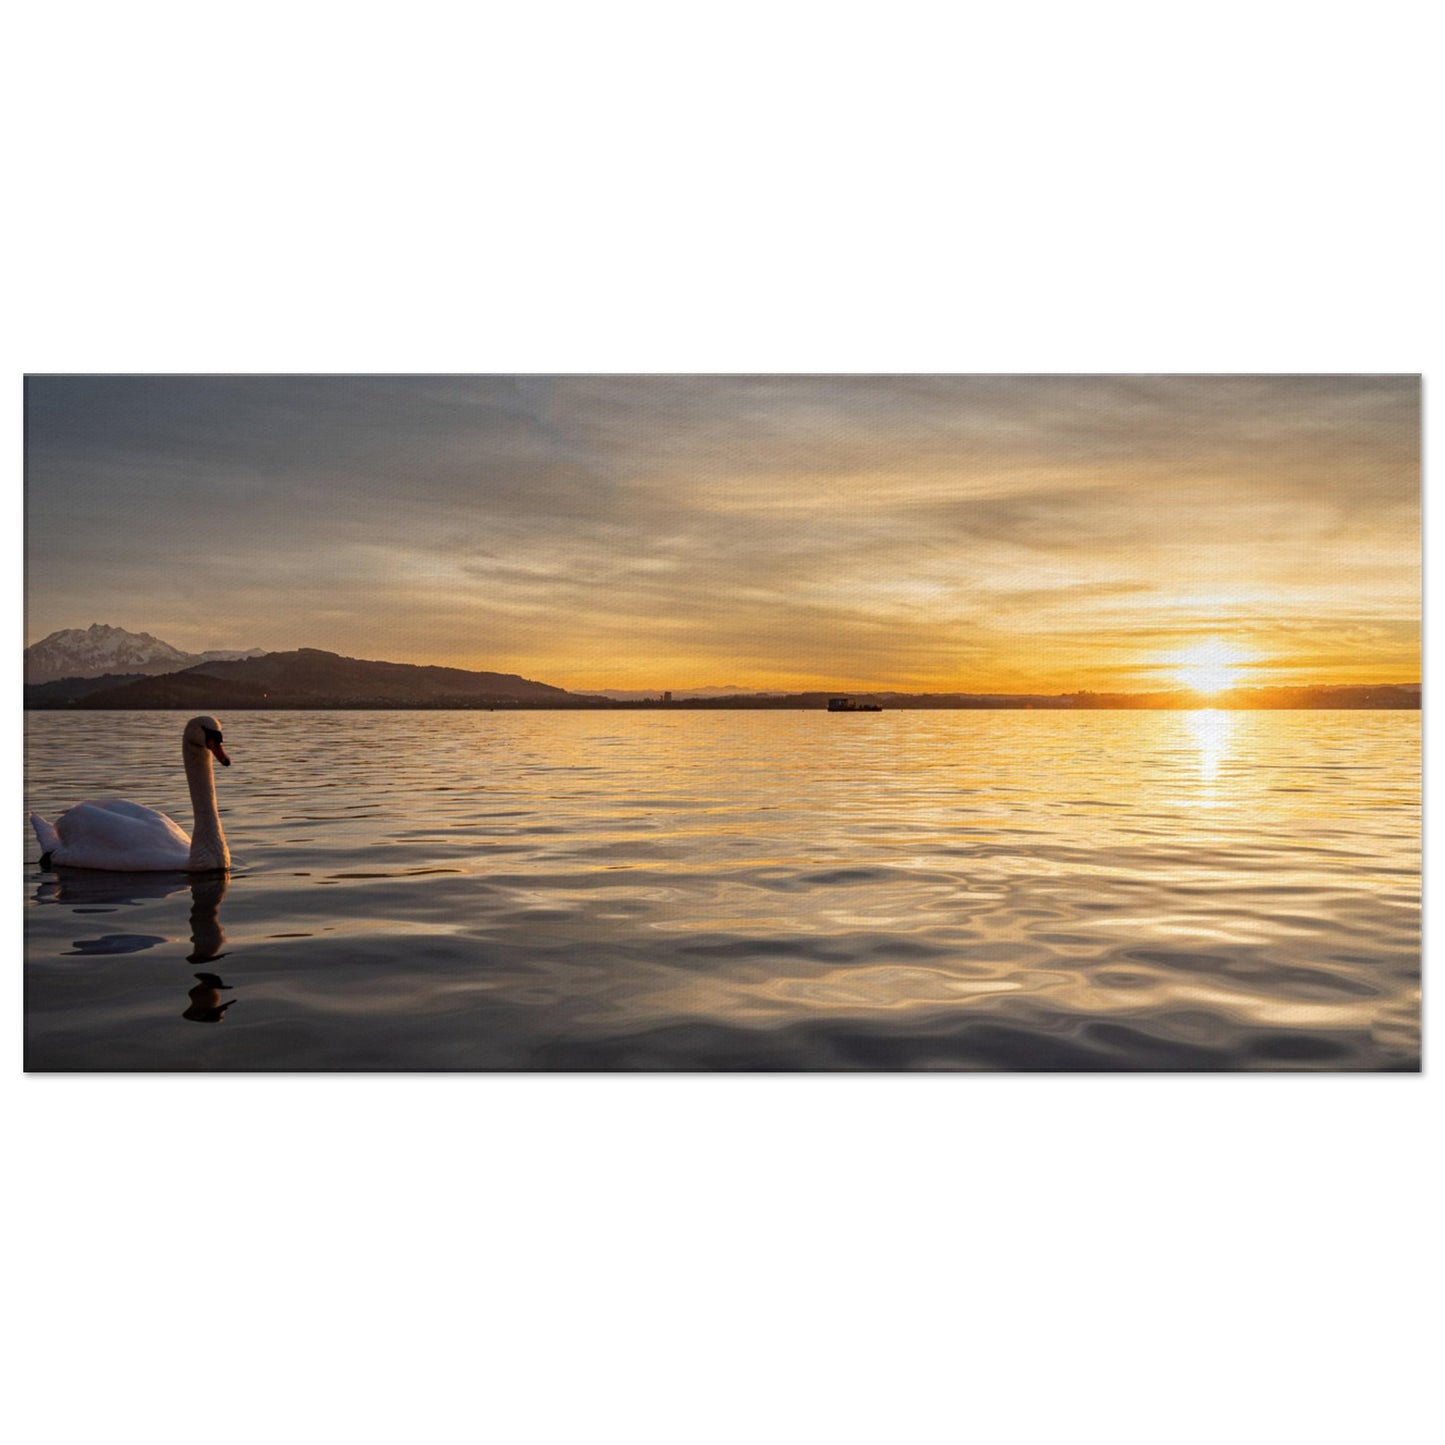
x=308, y=678
x=97, y=650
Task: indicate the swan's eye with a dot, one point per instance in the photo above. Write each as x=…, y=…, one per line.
x=212, y=736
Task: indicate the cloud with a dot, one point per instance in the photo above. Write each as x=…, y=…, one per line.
x=854, y=527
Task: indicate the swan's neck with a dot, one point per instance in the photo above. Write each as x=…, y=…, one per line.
x=208, y=842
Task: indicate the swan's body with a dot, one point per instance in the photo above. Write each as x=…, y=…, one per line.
x=124, y=837
x=115, y=834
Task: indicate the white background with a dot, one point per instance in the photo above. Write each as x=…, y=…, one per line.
x=781, y=186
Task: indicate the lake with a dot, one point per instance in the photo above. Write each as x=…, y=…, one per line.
x=722, y=890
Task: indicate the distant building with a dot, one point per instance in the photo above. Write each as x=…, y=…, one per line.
x=667, y=697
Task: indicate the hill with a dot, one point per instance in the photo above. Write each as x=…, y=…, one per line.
x=66, y=690
x=1351, y=696
x=309, y=678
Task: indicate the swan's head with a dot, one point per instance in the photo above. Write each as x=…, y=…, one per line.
x=205, y=732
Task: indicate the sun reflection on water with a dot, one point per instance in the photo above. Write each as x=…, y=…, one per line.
x=1212, y=731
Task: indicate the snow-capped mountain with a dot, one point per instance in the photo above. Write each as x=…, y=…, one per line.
x=96, y=650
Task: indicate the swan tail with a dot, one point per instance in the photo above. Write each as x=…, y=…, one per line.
x=46, y=836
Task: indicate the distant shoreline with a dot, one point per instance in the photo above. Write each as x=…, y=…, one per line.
x=309, y=679
x=790, y=704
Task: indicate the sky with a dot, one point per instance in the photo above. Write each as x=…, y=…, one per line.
x=917, y=533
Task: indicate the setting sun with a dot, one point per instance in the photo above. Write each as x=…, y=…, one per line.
x=1209, y=667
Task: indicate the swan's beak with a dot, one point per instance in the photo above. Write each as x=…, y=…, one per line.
x=214, y=744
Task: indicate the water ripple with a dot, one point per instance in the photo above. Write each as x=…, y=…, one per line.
x=747, y=891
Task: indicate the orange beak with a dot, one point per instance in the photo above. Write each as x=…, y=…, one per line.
x=214, y=744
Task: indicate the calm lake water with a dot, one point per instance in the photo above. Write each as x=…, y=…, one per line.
x=743, y=890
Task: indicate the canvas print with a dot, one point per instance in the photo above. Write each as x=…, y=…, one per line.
x=729, y=723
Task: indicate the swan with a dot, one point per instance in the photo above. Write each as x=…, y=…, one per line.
x=124, y=837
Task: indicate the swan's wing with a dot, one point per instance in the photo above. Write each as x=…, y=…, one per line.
x=119, y=834
x=152, y=817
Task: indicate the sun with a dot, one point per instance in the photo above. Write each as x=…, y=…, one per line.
x=1208, y=667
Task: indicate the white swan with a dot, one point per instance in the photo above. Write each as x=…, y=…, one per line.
x=124, y=837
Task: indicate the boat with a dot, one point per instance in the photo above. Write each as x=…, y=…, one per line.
x=846, y=704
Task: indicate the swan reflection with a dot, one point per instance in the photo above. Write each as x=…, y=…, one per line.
x=207, y=940
x=91, y=888
x=207, y=935
x=88, y=890
x=206, y=1006
x=85, y=889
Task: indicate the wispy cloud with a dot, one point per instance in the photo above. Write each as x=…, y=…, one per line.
x=925, y=531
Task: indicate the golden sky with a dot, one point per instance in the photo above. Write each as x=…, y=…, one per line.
x=929, y=533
